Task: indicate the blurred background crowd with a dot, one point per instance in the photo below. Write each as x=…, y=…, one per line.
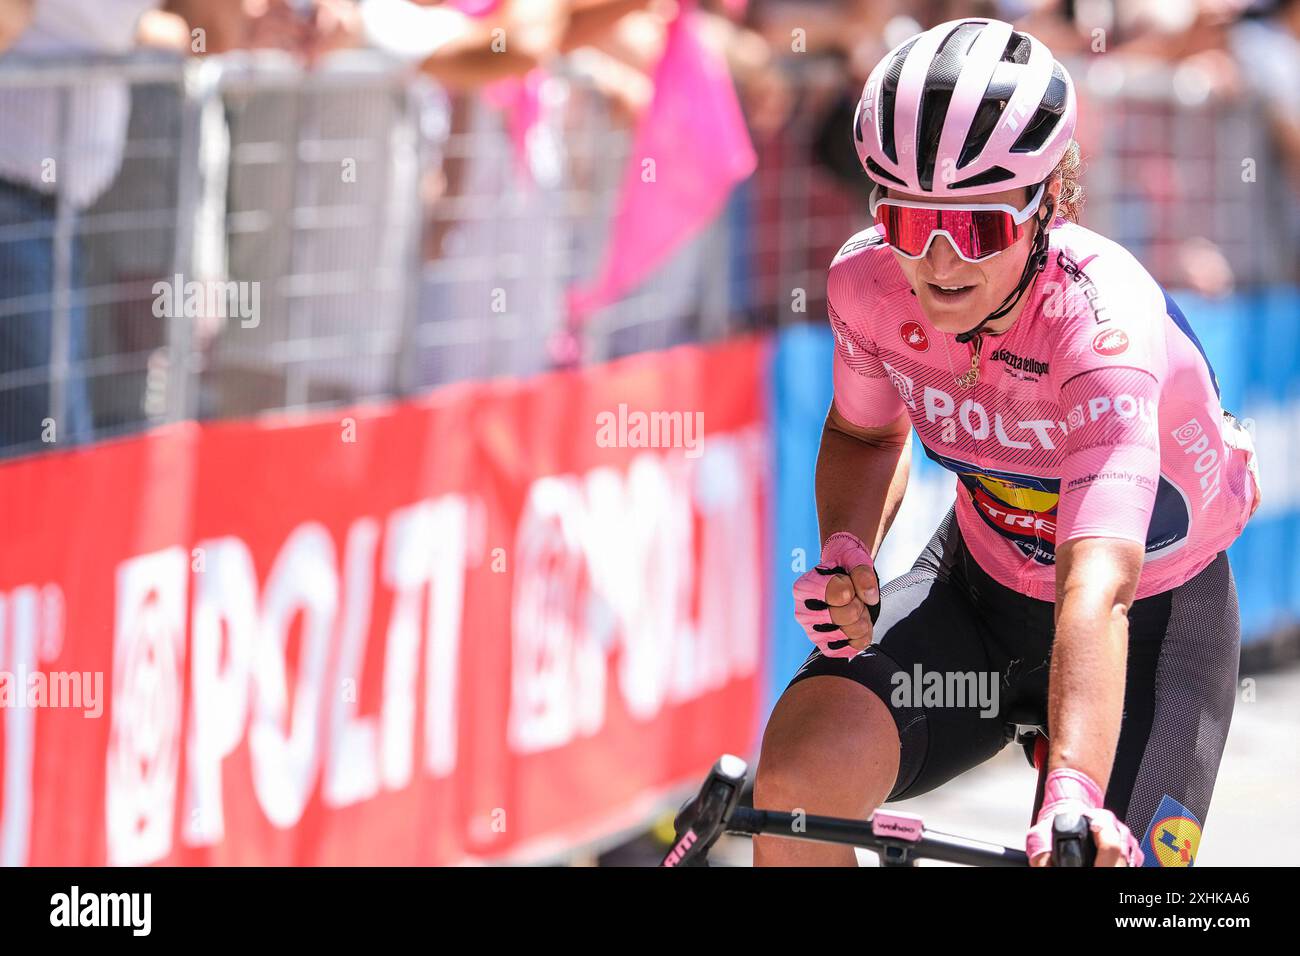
x=406, y=191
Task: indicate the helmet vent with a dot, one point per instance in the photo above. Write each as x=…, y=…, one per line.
x=941, y=80
x=981, y=128
x=1017, y=50
x=1045, y=118
x=888, y=93
x=874, y=168
x=994, y=174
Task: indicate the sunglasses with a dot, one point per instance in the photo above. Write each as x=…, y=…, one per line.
x=977, y=232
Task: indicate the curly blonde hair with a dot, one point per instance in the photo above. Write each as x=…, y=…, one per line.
x=1070, y=203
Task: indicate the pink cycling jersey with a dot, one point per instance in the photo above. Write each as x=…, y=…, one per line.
x=1095, y=415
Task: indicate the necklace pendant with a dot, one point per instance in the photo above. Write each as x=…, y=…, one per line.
x=972, y=374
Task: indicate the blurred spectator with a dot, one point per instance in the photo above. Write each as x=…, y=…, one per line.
x=309, y=29
x=471, y=42
x=1268, y=50
x=15, y=15
x=764, y=90
x=59, y=150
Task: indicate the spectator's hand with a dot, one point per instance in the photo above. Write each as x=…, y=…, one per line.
x=1218, y=70
x=336, y=25
x=160, y=30
x=535, y=28
x=1204, y=268
x=628, y=90
x=274, y=24
x=15, y=17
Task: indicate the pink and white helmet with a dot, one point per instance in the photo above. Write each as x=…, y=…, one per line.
x=968, y=107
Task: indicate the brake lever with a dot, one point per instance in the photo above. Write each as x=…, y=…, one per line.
x=704, y=818
x=1072, y=842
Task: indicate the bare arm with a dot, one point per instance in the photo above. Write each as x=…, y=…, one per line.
x=469, y=66
x=861, y=477
x=224, y=25
x=1096, y=579
x=15, y=16
x=510, y=43
x=589, y=20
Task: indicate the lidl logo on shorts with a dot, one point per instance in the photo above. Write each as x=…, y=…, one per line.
x=1174, y=836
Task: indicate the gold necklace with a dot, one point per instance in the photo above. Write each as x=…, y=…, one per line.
x=972, y=374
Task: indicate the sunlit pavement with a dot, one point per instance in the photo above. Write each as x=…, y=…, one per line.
x=1254, y=795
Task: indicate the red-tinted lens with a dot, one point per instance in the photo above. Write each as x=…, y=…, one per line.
x=908, y=230
x=990, y=230
x=976, y=233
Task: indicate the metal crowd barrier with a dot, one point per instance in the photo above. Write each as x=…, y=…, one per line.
x=235, y=235
x=514, y=227
x=78, y=256
x=221, y=237
x=1169, y=163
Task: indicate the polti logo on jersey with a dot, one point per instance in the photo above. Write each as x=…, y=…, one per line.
x=939, y=408
x=1110, y=342
x=914, y=336
x=1174, y=836
x=1194, y=441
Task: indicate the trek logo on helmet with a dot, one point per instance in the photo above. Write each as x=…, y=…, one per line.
x=974, y=96
x=976, y=99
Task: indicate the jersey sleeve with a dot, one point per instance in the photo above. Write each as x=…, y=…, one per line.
x=1111, y=466
x=864, y=395
x=1109, y=366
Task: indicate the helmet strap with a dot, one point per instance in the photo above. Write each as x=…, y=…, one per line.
x=1034, y=264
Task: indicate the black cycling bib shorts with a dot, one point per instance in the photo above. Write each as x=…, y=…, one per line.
x=947, y=616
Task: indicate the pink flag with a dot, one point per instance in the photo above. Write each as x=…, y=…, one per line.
x=476, y=8
x=519, y=99
x=695, y=136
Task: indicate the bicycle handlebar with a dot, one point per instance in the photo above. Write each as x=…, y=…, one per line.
x=899, y=838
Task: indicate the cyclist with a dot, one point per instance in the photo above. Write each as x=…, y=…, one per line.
x=1082, y=567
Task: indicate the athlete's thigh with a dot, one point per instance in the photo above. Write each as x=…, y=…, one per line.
x=1184, y=649
x=927, y=631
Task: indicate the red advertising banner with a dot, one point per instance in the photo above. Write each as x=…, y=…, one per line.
x=470, y=627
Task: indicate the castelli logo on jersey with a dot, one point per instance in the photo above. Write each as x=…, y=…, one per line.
x=1110, y=342
x=914, y=336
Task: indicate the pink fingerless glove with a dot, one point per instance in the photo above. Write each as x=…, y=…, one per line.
x=842, y=553
x=1069, y=791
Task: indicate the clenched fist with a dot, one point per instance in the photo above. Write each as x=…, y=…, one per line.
x=838, y=601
